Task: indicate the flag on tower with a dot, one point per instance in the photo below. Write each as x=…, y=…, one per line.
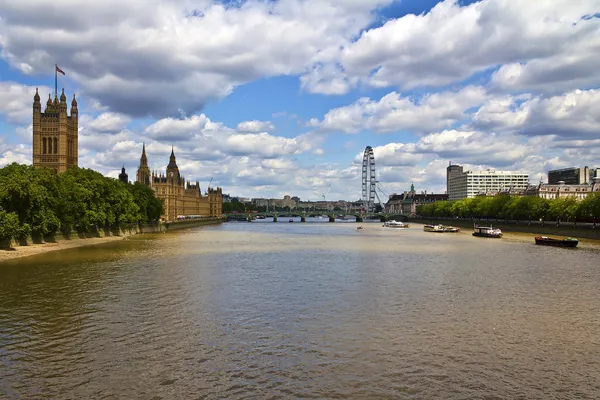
x=59, y=70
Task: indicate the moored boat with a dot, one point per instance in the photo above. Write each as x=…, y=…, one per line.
x=433, y=228
x=547, y=241
x=394, y=224
x=451, y=229
x=440, y=228
x=486, y=231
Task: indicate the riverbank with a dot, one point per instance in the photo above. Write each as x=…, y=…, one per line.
x=60, y=242
x=33, y=249
x=522, y=227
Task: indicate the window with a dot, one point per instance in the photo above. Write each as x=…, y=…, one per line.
x=55, y=146
x=44, y=146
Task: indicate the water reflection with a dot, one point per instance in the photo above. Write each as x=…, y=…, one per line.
x=302, y=310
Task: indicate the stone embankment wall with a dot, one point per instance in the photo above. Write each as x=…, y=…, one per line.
x=579, y=230
x=156, y=227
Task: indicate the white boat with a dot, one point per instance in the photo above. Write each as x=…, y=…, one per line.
x=486, y=231
x=440, y=228
x=395, y=224
x=433, y=228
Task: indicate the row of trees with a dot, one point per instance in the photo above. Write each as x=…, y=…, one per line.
x=515, y=208
x=39, y=202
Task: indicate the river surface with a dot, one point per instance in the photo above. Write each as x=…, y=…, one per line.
x=315, y=310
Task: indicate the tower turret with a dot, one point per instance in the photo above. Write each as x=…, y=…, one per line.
x=143, y=172
x=74, y=110
x=172, y=168
x=63, y=102
x=123, y=176
x=36, y=126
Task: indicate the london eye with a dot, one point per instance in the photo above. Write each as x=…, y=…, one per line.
x=368, y=180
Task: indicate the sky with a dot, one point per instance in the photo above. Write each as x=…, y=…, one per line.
x=276, y=97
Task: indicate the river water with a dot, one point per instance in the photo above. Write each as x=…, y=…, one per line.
x=315, y=310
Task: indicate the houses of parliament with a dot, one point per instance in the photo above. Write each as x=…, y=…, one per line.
x=55, y=146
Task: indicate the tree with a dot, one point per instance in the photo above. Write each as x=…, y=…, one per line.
x=590, y=206
x=9, y=225
x=150, y=207
x=32, y=194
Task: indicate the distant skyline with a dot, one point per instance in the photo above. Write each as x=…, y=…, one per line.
x=281, y=97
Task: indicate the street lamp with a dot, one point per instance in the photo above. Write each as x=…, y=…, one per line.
x=560, y=186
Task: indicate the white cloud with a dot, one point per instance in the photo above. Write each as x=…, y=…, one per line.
x=394, y=112
x=572, y=115
x=16, y=101
x=266, y=145
x=14, y=153
x=178, y=129
x=255, y=126
x=175, y=55
x=450, y=43
x=108, y=122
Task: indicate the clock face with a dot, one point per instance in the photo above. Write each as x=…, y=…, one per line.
x=171, y=174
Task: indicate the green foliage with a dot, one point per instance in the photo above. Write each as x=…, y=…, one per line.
x=590, y=206
x=79, y=199
x=515, y=208
x=150, y=206
x=234, y=206
x=9, y=225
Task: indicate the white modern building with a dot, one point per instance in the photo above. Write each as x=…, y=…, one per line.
x=473, y=183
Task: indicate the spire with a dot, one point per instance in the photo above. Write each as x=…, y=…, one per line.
x=36, y=97
x=49, y=102
x=63, y=98
x=74, y=111
x=143, y=159
x=172, y=160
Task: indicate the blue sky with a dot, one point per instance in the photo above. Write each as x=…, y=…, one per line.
x=281, y=97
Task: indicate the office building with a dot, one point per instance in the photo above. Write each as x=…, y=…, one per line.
x=472, y=183
x=572, y=176
x=451, y=172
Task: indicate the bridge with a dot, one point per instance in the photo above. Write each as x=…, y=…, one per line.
x=331, y=217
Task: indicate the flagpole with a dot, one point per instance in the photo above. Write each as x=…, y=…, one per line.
x=55, y=80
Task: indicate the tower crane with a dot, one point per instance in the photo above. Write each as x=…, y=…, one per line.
x=325, y=193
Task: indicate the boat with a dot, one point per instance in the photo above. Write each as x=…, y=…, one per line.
x=359, y=227
x=291, y=220
x=547, y=241
x=433, y=228
x=486, y=231
x=440, y=228
x=394, y=224
x=451, y=229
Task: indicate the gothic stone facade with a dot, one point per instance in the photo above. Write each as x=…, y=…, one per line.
x=181, y=199
x=55, y=134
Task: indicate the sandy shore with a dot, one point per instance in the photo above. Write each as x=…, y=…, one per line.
x=25, y=251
